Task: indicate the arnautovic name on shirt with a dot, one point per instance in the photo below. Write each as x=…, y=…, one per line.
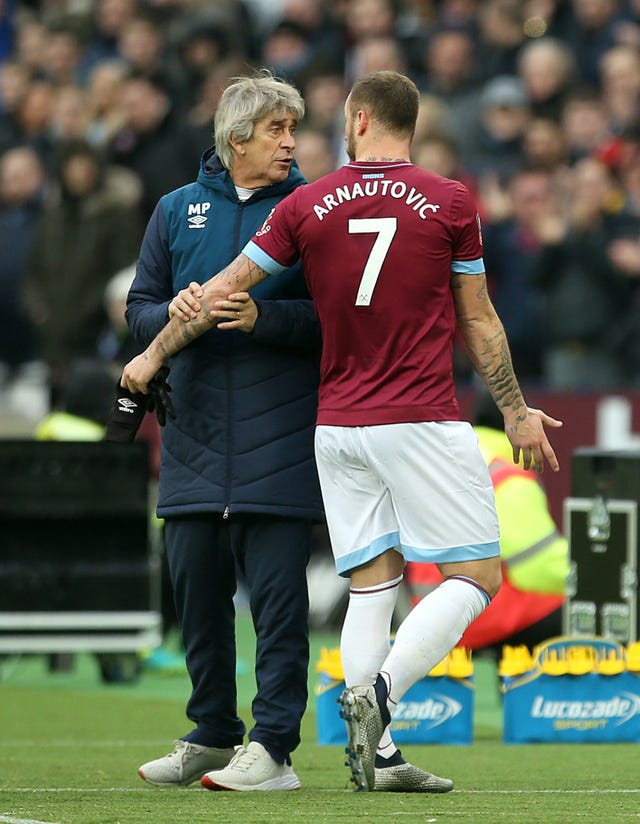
x=374, y=188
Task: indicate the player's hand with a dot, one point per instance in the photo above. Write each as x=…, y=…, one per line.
x=238, y=311
x=529, y=439
x=186, y=304
x=139, y=371
x=159, y=398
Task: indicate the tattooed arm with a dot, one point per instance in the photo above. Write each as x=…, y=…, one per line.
x=239, y=276
x=487, y=345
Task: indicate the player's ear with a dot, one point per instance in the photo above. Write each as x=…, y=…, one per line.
x=363, y=121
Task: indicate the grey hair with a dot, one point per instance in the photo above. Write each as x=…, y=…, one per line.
x=246, y=101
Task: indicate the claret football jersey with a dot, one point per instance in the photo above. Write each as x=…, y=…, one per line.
x=378, y=242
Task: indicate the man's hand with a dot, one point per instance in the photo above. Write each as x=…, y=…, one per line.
x=527, y=435
x=238, y=311
x=186, y=304
x=137, y=374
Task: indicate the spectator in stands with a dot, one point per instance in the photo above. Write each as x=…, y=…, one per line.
x=116, y=344
x=593, y=31
x=63, y=55
x=158, y=148
x=108, y=21
x=105, y=115
x=495, y=145
x=585, y=294
x=325, y=96
x=68, y=121
x=287, y=50
x=22, y=188
x=544, y=146
x=31, y=46
x=449, y=68
x=500, y=37
x=14, y=82
x=432, y=113
x=142, y=44
x=619, y=74
x=376, y=53
x=547, y=69
x=33, y=116
x=314, y=154
x=511, y=249
x=439, y=153
x=202, y=48
x=584, y=122
x=88, y=231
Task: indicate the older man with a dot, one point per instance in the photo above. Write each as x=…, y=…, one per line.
x=238, y=483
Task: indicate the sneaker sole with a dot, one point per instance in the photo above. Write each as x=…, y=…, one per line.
x=354, y=748
x=287, y=783
x=168, y=783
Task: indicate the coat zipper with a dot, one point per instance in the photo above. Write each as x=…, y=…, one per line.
x=227, y=509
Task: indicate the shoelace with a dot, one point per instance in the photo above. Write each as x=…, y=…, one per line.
x=183, y=749
x=244, y=759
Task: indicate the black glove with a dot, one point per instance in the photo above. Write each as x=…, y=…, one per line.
x=129, y=408
x=158, y=397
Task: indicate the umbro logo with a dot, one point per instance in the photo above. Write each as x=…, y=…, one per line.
x=196, y=214
x=126, y=405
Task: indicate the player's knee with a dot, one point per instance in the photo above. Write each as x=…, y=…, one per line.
x=486, y=573
x=385, y=567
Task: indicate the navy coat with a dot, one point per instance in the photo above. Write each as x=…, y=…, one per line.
x=242, y=440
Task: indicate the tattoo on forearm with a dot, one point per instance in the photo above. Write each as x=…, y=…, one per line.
x=487, y=344
x=495, y=366
x=239, y=276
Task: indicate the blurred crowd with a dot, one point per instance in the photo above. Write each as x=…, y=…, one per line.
x=105, y=105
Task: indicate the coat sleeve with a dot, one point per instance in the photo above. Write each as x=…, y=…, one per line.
x=152, y=288
x=291, y=323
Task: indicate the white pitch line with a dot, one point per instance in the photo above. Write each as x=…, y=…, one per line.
x=8, y=819
x=65, y=742
x=100, y=790
x=548, y=792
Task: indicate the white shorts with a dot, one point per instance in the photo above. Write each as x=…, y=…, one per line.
x=423, y=488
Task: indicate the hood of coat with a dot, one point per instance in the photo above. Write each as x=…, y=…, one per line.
x=213, y=174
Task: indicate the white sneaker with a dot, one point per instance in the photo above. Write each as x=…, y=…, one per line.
x=186, y=764
x=252, y=768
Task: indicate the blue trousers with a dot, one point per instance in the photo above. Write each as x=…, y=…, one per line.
x=272, y=554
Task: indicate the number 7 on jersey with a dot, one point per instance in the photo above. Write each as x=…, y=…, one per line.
x=385, y=229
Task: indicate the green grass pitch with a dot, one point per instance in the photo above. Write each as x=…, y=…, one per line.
x=71, y=745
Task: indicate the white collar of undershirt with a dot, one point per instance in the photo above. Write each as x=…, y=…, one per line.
x=245, y=194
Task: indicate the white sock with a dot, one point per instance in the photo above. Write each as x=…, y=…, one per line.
x=364, y=643
x=430, y=631
x=366, y=630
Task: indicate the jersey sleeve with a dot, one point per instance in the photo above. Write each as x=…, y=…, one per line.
x=467, y=235
x=274, y=247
